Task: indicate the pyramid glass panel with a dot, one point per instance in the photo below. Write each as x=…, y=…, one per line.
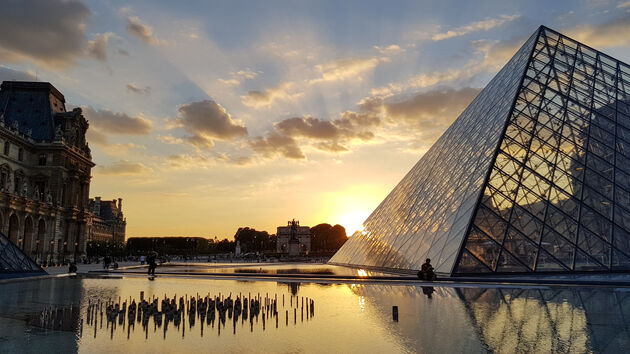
x=533, y=176
x=14, y=261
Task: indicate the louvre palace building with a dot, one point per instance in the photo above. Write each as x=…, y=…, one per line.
x=45, y=165
x=532, y=177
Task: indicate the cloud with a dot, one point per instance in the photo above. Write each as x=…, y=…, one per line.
x=624, y=5
x=8, y=74
x=489, y=56
x=50, y=32
x=207, y=120
x=169, y=139
x=261, y=99
x=325, y=135
x=277, y=145
x=347, y=127
x=124, y=168
x=138, y=29
x=132, y=87
x=96, y=137
x=187, y=161
x=107, y=121
x=121, y=149
x=97, y=48
x=604, y=35
x=239, y=76
x=348, y=68
x=122, y=52
x=390, y=50
x=484, y=25
x=435, y=109
x=247, y=74
x=230, y=82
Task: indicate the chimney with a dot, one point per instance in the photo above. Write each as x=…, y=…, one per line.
x=120, y=204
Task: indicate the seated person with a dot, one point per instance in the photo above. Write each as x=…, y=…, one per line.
x=426, y=271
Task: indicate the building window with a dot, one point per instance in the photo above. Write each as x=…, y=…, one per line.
x=7, y=147
x=42, y=160
x=20, y=154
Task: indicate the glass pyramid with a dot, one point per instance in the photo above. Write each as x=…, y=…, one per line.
x=13, y=261
x=532, y=177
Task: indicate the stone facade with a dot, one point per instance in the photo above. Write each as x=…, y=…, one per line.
x=108, y=222
x=45, y=165
x=302, y=238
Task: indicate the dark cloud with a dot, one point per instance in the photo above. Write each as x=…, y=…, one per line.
x=97, y=48
x=329, y=135
x=124, y=168
x=107, y=121
x=136, y=28
x=275, y=144
x=51, y=32
x=207, y=120
x=131, y=87
x=427, y=110
x=7, y=74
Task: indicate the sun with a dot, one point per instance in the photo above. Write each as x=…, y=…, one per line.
x=353, y=221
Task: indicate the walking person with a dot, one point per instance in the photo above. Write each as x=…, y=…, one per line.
x=151, y=260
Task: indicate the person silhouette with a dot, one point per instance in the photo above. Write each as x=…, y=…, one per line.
x=426, y=271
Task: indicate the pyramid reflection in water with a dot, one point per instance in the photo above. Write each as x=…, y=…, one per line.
x=534, y=176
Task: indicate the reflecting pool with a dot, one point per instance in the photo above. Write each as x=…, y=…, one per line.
x=64, y=315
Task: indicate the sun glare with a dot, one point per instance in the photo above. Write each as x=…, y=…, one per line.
x=353, y=221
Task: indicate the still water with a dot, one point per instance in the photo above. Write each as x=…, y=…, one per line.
x=344, y=318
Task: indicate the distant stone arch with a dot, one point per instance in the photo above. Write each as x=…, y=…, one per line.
x=28, y=234
x=14, y=228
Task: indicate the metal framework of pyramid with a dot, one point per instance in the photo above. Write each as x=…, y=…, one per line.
x=533, y=176
x=13, y=261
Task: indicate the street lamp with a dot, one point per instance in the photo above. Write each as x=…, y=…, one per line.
x=65, y=250
x=36, y=251
x=51, y=249
x=76, y=251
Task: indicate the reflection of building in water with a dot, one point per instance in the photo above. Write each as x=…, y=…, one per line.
x=293, y=239
x=549, y=321
x=502, y=320
x=45, y=165
x=534, y=176
x=107, y=222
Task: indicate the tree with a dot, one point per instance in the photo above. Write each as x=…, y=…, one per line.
x=254, y=241
x=327, y=238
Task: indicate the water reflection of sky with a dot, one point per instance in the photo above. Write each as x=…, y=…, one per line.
x=347, y=318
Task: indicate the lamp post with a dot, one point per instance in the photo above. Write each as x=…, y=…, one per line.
x=20, y=246
x=76, y=251
x=37, y=251
x=51, y=250
x=65, y=250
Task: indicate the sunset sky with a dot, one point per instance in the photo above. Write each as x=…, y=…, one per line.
x=206, y=116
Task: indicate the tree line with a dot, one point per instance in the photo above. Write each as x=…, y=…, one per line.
x=325, y=238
